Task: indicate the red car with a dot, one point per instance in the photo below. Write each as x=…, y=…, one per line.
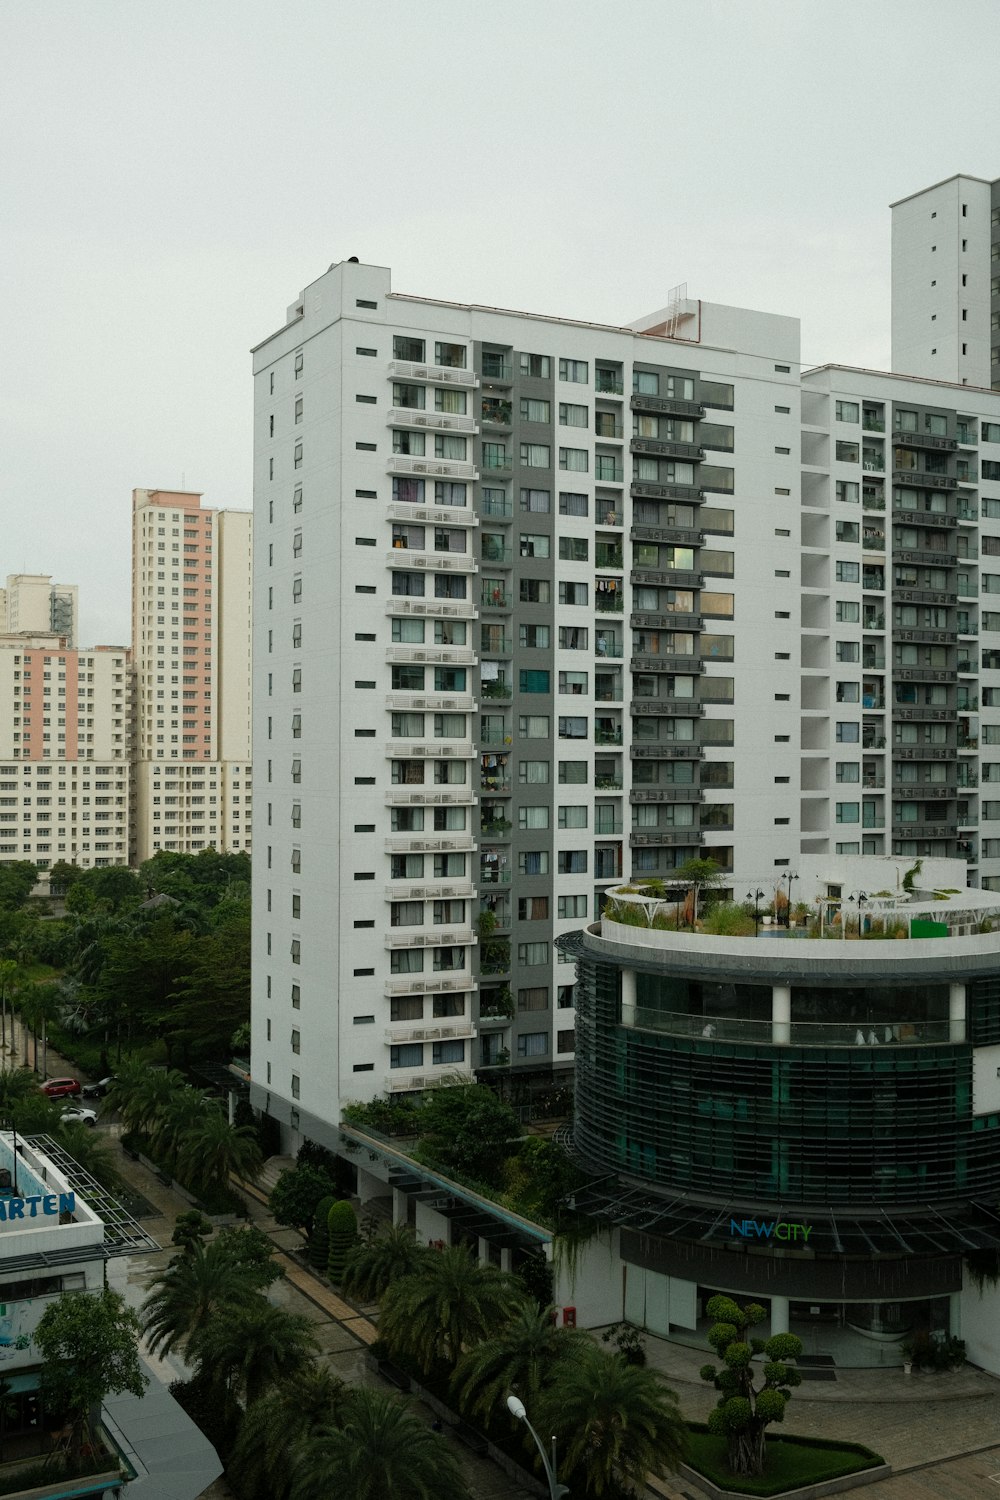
x=60, y=1088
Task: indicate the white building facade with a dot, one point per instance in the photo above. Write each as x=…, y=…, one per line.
x=32, y=602
x=191, y=572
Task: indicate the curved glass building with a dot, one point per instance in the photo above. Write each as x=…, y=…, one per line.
x=815, y=1124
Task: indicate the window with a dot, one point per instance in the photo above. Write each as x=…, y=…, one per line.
x=573, y=815
x=848, y=812
x=450, y=356
x=532, y=908
x=848, y=734
x=848, y=572
x=572, y=862
x=572, y=728
x=533, y=726
x=535, y=997
x=576, y=460
x=411, y=1055
x=533, y=1044
x=533, y=862
x=846, y=411
x=535, y=591
x=572, y=416
x=848, y=491
x=447, y=1052
x=573, y=682
x=534, y=544
x=536, y=455
x=847, y=453
x=574, y=370
x=571, y=907
x=572, y=504
x=536, y=502
x=533, y=772
x=538, y=366
x=408, y=348
x=532, y=681
x=530, y=954
x=848, y=612
x=573, y=593
x=535, y=410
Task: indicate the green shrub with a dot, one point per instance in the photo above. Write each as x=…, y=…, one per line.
x=342, y=1227
x=319, y=1240
x=729, y=919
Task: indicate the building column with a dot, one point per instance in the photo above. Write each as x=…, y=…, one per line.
x=628, y=997
x=779, y=1315
x=781, y=1014
x=956, y=1012
x=955, y=1314
x=399, y=1207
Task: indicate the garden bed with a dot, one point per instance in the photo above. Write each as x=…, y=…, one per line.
x=797, y=1465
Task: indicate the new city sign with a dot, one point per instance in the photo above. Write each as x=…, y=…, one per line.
x=769, y=1229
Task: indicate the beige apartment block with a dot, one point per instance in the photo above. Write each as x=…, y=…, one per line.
x=64, y=752
x=191, y=569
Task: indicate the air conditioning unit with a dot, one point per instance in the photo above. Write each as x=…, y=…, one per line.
x=420, y=421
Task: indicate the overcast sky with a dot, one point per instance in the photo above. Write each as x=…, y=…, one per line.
x=173, y=172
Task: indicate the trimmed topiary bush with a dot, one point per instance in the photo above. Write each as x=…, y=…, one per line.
x=318, y=1249
x=342, y=1227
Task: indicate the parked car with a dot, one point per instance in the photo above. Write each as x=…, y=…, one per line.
x=99, y=1089
x=60, y=1088
x=81, y=1115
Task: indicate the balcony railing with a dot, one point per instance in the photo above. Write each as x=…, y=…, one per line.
x=495, y=690
x=608, y=385
x=496, y=599
x=498, y=510
x=607, y=736
x=845, y=1033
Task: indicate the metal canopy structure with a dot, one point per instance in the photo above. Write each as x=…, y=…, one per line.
x=123, y=1235
x=922, y=1230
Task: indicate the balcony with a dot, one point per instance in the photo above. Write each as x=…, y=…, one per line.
x=437, y=514
x=667, y=449
x=608, y=735
x=492, y=553
x=495, y=690
x=664, y=838
x=432, y=702
x=459, y=842
x=605, y=426
x=609, y=602
x=870, y=422
x=802, y=1033
x=437, y=468
x=687, y=751
x=500, y=735
x=606, y=556
x=432, y=749
x=666, y=406
x=648, y=620
x=666, y=794
x=679, y=578
x=429, y=937
x=438, y=609
x=496, y=413
x=435, y=421
x=924, y=440
x=402, y=556
x=643, y=491
x=444, y=1032
x=608, y=383
x=496, y=369
x=495, y=459
x=497, y=509
x=921, y=480
x=606, y=471
x=493, y=868
x=430, y=796
x=666, y=664
x=496, y=598
x=684, y=536
x=405, y=369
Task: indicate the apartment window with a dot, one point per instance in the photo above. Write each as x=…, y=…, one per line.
x=298, y=409
x=535, y=591
x=848, y=572
x=533, y=681
x=573, y=593
x=573, y=416
x=572, y=862
x=576, y=460
x=533, y=1044
x=531, y=954
x=573, y=815
x=533, y=997
x=533, y=862
x=538, y=366
x=534, y=545
x=450, y=356
x=536, y=455
x=532, y=817
x=297, y=456
x=535, y=410
x=847, y=411
x=407, y=348
x=572, y=504
x=574, y=370
x=533, y=726
x=410, y=1055
x=533, y=772
x=536, y=502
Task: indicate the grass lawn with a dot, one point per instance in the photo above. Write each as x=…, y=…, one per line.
x=791, y=1461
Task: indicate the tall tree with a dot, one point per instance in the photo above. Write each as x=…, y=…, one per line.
x=212, y=1149
x=378, y=1449
x=448, y=1305
x=615, y=1422
x=194, y=1287
x=521, y=1358
x=89, y=1345
x=382, y=1259
x=277, y=1427
x=246, y=1351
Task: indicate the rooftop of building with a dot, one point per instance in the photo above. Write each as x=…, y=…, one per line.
x=933, y=186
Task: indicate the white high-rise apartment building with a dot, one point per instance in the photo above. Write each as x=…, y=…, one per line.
x=32, y=602
x=64, y=752
x=540, y=604
x=946, y=282
x=191, y=586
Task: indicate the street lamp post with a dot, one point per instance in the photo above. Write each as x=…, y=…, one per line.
x=755, y=897
x=860, y=897
x=556, y=1490
x=788, y=915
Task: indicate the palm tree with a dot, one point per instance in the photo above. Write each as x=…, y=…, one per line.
x=140, y=1094
x=378, y=1449
x=211, y=1149
x=195, y=1286
x=522, y=1358
x=615, y=1422
x=175, y=1119
x=247, y=1350
x=376, y=1263
x=275, y=1428
x=16, y=1086
x=450, y=1304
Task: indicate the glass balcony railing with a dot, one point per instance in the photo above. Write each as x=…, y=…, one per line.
x=499, y=509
